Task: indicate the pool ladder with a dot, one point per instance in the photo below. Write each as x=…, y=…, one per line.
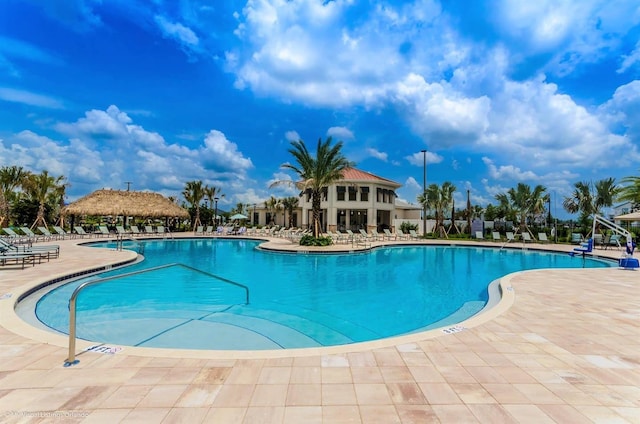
x=71, y=360
x=121, y=238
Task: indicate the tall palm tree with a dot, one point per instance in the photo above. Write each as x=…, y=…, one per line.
x=193, y=193
x=523, y=202
x=630, y=192
x=45, y=189
x=211, y=192
x=289, y=204
x=316, y=173
x=11, y=177
x=273, y=206
x=438, y=198
x=589, y=198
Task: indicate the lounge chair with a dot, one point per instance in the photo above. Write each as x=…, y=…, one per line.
x=576, y=238
x=376, y=235
x=134, y=230
x=21, y=259
x=413, y=235
x=479, y=235
x=104, y=231
x=33, y=237
x=148, y=229
x=365, y=235
x=199, y=230
x=388, y=234
x=120, y=230
x=598, y=240
x=510, y=236
x=81, y=232
x=542, y=238
x=495, y=235
x=161, y=231
x=43, y=251
x=526, y=237
x=209, y=230
x=15, y=237
x=47, y=234
x=614, y=241
x=336, y=237
x=403, y=236
x=62, y=233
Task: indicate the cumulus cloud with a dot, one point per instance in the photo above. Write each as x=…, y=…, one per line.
x=412, y=184
x=508, y=172
x=418, y=158
x=292, y=136
x=377, y=154
x=185, y=36
x=440, y=114
x=340, y=133
x=128, y=152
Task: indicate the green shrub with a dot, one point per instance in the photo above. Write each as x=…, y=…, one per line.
x=406, y=226
x=310, y=240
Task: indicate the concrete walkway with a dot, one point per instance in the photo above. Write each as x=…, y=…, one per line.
x=563, y=346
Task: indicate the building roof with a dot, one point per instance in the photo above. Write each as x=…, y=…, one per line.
x=401, y=204
x=353, y=174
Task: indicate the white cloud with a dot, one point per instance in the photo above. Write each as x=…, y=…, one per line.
x=412, y=184
x=340, y=133
x=128, y=153
x=377, y=154
x=631, y=60
x=532, y=121
x=224, y=153
x=418, y=158
x=508, y=172
x=440, y=114
x=29, y=98
x=185, y=36
x=292, y=136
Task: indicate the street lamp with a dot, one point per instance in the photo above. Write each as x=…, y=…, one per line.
x=215, y=214
x=424, y=193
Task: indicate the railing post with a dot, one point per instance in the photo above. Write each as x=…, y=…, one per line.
x=71, y=359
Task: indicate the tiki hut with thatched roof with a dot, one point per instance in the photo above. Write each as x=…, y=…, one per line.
x=125, y=203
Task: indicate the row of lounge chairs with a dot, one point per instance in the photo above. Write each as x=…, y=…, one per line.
x=510, y=236
x=23, y=255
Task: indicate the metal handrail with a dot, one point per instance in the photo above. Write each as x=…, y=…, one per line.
x=71, y=360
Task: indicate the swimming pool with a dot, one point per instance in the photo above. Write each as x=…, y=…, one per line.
x=295, y=300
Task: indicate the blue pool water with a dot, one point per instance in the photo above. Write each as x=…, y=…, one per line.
x=295, y=300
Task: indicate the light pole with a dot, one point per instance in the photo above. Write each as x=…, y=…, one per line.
x=215, y=214
x=424, y=193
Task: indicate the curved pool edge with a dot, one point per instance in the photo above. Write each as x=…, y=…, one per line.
x=503, y=290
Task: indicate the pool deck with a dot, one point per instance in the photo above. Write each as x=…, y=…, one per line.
x=563, y=346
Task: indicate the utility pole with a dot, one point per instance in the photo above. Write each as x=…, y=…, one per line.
x=128, y=183
x=424, y=193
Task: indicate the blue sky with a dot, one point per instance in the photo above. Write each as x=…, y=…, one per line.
x=162, y=92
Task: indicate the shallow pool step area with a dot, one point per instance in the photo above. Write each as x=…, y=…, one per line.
x=246, y=329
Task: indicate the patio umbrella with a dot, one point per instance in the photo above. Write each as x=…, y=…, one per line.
x=238, y=216
x=633, y=216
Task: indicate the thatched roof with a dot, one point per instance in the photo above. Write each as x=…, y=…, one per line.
x=125, y=203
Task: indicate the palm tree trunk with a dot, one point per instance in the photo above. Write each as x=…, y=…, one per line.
x=315, y=206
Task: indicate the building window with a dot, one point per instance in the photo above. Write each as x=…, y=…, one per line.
x=379, y=195
x=352, y=194
x=307, y=192
x=325, y=193
x=364, y=194
x=341, y=190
